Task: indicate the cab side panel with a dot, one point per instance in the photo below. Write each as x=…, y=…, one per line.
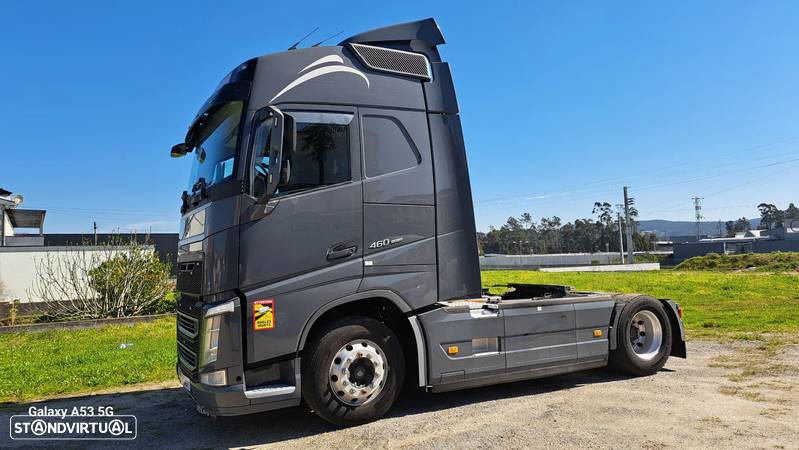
x=399, y=205
x=458, y=264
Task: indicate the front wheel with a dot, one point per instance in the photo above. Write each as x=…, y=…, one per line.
x=643, y=338
x=352, y=373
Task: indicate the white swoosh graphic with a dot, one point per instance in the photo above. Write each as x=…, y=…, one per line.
x=318, y=73
x=323, y=60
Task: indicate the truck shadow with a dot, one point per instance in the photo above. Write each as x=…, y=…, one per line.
x=167, y=417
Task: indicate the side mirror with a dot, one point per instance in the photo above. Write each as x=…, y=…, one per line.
x=179, y=150
x=282, y=141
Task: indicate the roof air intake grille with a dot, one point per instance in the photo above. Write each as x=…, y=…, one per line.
x=394, y=61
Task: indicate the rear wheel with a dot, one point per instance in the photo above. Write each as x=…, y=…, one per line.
x=643, y=339
x=353, y=372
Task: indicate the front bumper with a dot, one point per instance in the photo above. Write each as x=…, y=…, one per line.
x=232, y=401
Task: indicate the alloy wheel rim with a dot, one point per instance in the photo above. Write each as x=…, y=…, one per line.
x=358, y=372
x=646, y=335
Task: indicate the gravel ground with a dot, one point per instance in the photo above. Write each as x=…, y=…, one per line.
x=691, y=403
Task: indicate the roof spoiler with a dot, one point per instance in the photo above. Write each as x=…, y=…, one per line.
x=425, y=30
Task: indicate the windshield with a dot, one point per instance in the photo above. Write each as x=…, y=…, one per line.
x=215, y=151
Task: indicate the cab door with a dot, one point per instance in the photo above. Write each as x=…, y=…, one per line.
x=307, y=248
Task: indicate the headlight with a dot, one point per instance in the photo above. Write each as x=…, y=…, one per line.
x=211, y=341
x=217, y=378
x=210, y=331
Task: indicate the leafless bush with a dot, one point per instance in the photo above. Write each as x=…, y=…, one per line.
x=113, y=280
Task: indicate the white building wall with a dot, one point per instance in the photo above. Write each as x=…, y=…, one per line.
x=547, y=260
x=7, y=228
x=18, y=267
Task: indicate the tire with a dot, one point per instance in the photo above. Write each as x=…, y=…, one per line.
x=643, y=339
x=374, y=374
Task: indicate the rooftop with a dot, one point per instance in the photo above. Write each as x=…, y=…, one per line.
x=26, y=218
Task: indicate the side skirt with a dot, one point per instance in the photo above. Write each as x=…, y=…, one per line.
x=518, y=375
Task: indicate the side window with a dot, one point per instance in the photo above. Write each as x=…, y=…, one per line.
x=322, y=153
x=387, y=146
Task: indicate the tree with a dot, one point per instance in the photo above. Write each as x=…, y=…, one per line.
x=736, y=226
x=770, y=216
x=551, y=235
x=792, y=212
x=604, y=211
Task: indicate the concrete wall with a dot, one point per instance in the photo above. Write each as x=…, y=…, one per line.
x=18, y=266
x=776, y=246
x=643, y=267
x=685, y=251
x=553, y=260
x=24, y=240
x=8, y=230
x=166, y=244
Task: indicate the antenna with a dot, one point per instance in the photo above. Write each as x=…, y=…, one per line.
x=326, y=39
x=303, y=38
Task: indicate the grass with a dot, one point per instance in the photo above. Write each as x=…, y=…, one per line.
x=753, y=361
x=53, y=363
x=740, y=305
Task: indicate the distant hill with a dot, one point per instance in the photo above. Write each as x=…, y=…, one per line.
x=666, y=228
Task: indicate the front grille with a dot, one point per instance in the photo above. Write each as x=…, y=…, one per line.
x=188, y=332
x=187, y=358
x=190, y=277
x=187, y=325
x=394, y=61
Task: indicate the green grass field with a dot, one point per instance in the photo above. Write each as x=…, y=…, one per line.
x=742, y=305
x=51, y=363
x=715, y=304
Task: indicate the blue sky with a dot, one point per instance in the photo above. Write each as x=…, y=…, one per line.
x=563, y=103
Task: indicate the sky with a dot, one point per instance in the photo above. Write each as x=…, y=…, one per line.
x=562, y=103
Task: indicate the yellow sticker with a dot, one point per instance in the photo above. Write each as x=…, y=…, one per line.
x=263, y=314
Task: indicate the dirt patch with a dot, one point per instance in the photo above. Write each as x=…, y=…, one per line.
x=682, y=406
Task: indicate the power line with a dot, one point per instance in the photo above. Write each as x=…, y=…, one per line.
x=667, y=181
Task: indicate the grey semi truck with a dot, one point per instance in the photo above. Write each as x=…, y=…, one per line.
x=328, y=249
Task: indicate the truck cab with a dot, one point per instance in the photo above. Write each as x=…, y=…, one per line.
x=328, y=247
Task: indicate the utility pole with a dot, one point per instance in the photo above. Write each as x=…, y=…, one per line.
x=629, y=226
x=699, y=216
x=94, y=226
x=621, y=234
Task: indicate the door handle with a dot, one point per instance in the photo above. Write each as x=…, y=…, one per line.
x=342, y=250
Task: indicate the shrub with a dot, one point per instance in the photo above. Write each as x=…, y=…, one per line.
x=768, y=262
x=129, y=283
x=167, y=304
x=119, y=280
x=647, y=258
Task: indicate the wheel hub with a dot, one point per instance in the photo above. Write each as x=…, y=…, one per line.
x=358, y=372
x=646, y=334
